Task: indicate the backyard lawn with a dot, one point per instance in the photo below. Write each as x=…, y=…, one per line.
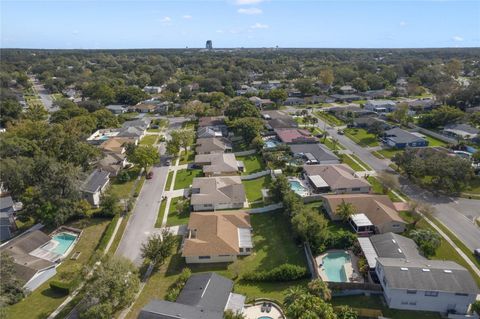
x=175, y=218
x=253, y=163
x=330, y=119
x=361, y=137
x=253, y=188
x=149, y=139
x=41, y=302
x=390, y=152
x=432, y=141
x=123, y=190
x=185, y=177
x=376, y=302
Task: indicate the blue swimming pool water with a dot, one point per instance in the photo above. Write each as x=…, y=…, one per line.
x=333, y=265
x=297, y=187
x=271, y=143
x=64, y=240
x=265, y=317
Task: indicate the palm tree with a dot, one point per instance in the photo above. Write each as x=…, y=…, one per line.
x=345, y=210
x=293, y=294
x=320, y=288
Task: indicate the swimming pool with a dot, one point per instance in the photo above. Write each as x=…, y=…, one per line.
x=271, y=143
x=265, y=317
x=298, y=188
x=333, y=264
x=64, y=241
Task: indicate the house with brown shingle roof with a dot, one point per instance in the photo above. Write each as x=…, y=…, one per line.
x=294, y=136
x=217, y=237
x=336, y=178
x=217, y=164
x=213, y=145
x=211, y=121
x=117, y=144
x=216, y=193
x=373, y=213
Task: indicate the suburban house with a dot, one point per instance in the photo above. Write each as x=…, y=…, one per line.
x=217, y=237
x=261, y=103
x=143, y=107
x=211, y=131
x=380, y=106
x=399, y=138
x=204, y=296
x=421, y=105
x=373, y=213
x=152, y=89
x=350, y=112
x=116, y=108
x=32, y=270
x=376, y=94
x=102, y=135
x=213, y=145
x=245, y=89
x=368, y=121
x=314, y=154
x=347, y=89
x=217, y=193
x=412, y=282
x=94, y=186
x=117, y=144
x=211, y=121
x=464, y=131
x=134, y=132
x=112, y=163
x=278, y=119
x=141, y=124
x=345, y=97
x=294, y=136
x=7, y=218
x=217, y=164
x=294, y=101
x=335, y=178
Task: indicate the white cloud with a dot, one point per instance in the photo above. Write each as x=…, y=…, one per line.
x=250, y=11
x=187, y=16
x=403, y=23
x=259, y=25
x=457, y=38
x=247, y=2
x=219, y=31
x=166, y=19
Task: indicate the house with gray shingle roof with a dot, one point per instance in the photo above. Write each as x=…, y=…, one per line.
x=213, y=145
x=216, y=193
x=95, y=185
x=398, y=138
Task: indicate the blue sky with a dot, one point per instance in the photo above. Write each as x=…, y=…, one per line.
x=85, y=24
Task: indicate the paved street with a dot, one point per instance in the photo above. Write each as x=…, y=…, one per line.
x=45, y=97
x=141, y=223
x=456, y=213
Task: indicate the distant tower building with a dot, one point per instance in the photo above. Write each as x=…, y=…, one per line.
x=209, y=45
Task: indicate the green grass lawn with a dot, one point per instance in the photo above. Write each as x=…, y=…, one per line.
x=169, y=181
x=253, y=188
x=161, y=213
x=253, y=163
x=474, y=186
x=390, y=152
x=185, y=177
x=329, y=118
x=361, y=137
x=328, y=142
x=432, y=141
x=240, y=145
x=187, y=157
x=149, y=140
x=175, y=218
x=376, y=302
x=350, y=162
x=377, y=188
x=41, y=302
x=123, y=190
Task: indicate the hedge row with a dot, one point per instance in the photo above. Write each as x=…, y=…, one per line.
x=107, y=234
x=284, y=272
x=61, y=287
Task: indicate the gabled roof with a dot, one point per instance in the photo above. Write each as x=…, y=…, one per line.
x=218, y=190
x=392, y=245
x=398, y=135
x=218, y=162
x=213, y=145
x=293, y=135
x=115, y=144
x=380, y=103
x=336, y=175
x=211, y=121
x=318, y=151
x=462, y=128
x=6, y=203
x=97, y=179
x=378, y=208
x=215, y=233
x=427, y=275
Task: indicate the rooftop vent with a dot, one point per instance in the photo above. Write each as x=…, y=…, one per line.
x=404, y=268
x=448, y=271
x=425, y=269
x=394, y=241
x=399, y=250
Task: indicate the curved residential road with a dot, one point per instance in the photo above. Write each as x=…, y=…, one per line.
x=457, y=214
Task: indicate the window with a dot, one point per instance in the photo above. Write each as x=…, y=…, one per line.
x=203, y=257
x=411, y=292
x=404, y=302
x=241, y=249
x=460, y=294
x=224, y=255
x=431, y=293
x=248, y=250
x=395, y=225
x=356, y=189
x=413, y=303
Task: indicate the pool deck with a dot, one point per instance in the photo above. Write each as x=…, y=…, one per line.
x=350, y=268
x=304, y=184
x=255, y=311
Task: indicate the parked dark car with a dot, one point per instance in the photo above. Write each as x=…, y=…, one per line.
x=149, y=175
x=476, y=252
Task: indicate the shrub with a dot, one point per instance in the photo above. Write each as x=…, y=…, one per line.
x=177, y=286
x=61, y=287
x=123, y=177
x=284, y=272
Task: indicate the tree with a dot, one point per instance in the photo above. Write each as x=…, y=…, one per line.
x=10, y=111
x=345, y=312
x=320, y=289
x=476, y=307
x=375, y=82
x=304, y=86
x=158, y=247
x=300, y=304
x=440, y=116
x=241, y=107
x=112, y=287
x=11, y=288
x=388, y=180
x=453, y=67
x=130, y=95
x=249, y=128
x=173, y=147
x=345, y=210
x=229, y=314
x=427, y=240
x=326, y=76
x=144, y=156
x=360, y=85
x=376, y=128
x=36, y=112
x=183, y=138
x=278, y=95
x=109, y=204
x=400, y=114
x=105, y=119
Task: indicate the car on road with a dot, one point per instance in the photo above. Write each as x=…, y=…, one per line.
x=340, y=132
x=476, y=252
x=149, y=175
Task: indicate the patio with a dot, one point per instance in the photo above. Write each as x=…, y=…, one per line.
x=255, y=311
